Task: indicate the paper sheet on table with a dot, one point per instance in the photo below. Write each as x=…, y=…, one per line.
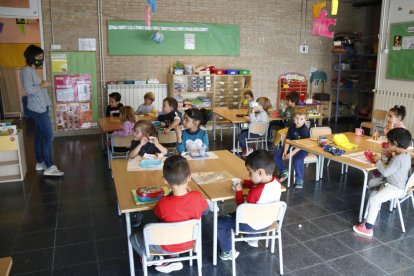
x=211, y=177
x=359, y=157
x=379, y=141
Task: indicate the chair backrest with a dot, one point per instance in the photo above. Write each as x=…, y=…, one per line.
x=167, y=138
x=172, y=233
x=410, y=184
x=258, y=128
x=315, y=132
x=260, y=214
x=380, y=115
x=124, y=141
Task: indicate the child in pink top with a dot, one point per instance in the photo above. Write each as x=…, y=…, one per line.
x=128, y=121
x=396, y=116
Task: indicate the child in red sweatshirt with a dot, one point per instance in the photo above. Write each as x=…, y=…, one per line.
x=264, y=188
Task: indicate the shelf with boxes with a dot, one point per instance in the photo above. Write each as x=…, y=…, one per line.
x=353, y=78
x=207, y=91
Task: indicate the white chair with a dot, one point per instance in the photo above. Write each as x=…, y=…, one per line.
x=119, y=142
x=396, y=202
x=266, y=214
x=257, y=128
x=173, y=233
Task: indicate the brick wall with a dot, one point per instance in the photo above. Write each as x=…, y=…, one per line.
x=269, y=38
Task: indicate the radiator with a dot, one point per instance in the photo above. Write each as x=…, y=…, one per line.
x=133, y=94
x=384, y=100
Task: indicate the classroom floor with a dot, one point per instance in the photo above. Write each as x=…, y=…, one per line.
x=70, y=226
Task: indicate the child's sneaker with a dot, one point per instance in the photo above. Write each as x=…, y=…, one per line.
x=254, y=244
x=362, y=230
x=247, y=152
x=156, y=258
x=283, y=176
x=299, y=184
x=225, y=256
x=169, y=267
x=211, y=207
x=236, y=150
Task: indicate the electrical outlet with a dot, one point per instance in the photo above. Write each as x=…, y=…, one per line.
x=55, y=47
x=303, y=49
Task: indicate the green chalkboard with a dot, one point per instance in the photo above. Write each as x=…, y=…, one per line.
x=134, y=38
x=400, y=63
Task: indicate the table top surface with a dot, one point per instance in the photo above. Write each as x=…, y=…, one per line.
x=5, y=266
x=231, y=115
x=310, y=145
x=108, y=124
x=127, y=181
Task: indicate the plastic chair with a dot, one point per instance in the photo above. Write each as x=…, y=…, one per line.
x=263, y=214
x=173, y=233
x=396, y=202
x=167, y=139
x=257, y=128
x=279, y=137
x=119, y=142
x=378, y=120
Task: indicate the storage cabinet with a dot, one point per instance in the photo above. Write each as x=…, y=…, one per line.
x=208, y=91
x=290, y=82
x=12, y=158
x=353, y=78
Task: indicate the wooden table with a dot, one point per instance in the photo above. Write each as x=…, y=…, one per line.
x=109, y=124
x=231, y=115
x=311, y=146
x=5, y=266
x=126, y=181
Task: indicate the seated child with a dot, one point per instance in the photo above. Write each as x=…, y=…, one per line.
x=258, y=114
x=193, y=119
x=145, y=140
x=147, y=106
x=247, y=98
x=298, y=130
x=181, y=205
x=171, y=117
x=396, y=116
x=392, y=184
x=292, y=100
x=127, y=117
x=264, y=188
x=114, y=105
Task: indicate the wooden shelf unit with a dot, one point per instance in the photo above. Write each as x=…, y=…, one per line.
x=289, y=82
x=220, y=90
x=12, y=158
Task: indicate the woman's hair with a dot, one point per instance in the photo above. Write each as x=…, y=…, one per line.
x=146, y=127
x=149, y=96
x=31, y=52
x=127, y=114
x=248, y=92
x=201, y=115
x=265, y=102
x=401, y=136
x=399, y=110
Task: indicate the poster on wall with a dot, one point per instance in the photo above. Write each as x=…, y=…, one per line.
x=73, y=101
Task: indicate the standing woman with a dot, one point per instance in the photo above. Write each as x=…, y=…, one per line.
x=38, y=104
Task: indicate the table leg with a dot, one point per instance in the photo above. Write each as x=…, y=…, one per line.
x=290, y=165
x=234, y=139
x=214, y=126
x=215, y=233
x=318, y=166
x=321, y=167
x=130, y=251
x=364, y=190
x=107, y=150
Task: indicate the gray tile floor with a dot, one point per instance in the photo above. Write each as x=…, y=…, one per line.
x=69, y=225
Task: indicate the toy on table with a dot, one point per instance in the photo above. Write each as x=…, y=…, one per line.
x=150, y=193
x=369, y=155
x=196, y=148
x=335, y=151
x=342, y=141
x=322, y=141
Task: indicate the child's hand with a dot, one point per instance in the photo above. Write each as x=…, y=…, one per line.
x=144, y=140
x=376, y=158
x=165, y=131
x=285, y=156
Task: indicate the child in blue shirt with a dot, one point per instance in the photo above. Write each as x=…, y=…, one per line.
x=193, y=119
x=298, y=130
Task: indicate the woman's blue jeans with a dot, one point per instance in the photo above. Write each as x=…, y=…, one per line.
x=43, y=137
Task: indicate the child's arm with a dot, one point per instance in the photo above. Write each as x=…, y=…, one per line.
x=133, y=153
x=204, y=139
x=126, y=130
x=393, y=167
x=173, y=125
x=157, y=144
x=180, y=144
x=108, y=112
x=239, y=195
